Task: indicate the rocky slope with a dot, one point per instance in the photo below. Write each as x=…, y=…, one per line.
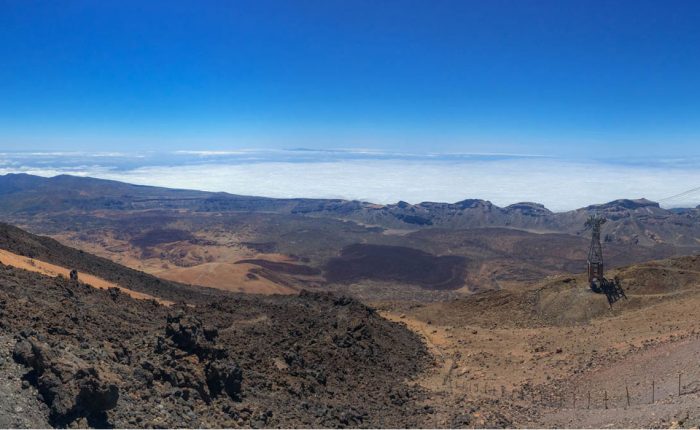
x=46, y=249
x=101, y=358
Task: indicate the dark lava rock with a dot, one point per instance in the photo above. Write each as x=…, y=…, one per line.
x=313, y=360
x=70, y=387
x=185, y=331
x=189, y=334
x=224, y=376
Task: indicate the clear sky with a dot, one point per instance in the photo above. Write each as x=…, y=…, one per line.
x=526, y=77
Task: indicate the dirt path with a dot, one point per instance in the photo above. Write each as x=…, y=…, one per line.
x=438, y=379
x=48, y=269
x=460, y=381
x=436, y=341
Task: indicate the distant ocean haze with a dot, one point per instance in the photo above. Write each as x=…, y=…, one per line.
x=383, y=177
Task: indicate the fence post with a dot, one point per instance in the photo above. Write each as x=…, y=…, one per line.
x=679, y=383
x=605, y=399
x=627, y=391
x=653, y=391
x=589, y=400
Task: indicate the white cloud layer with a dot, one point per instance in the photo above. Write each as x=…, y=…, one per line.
x=559, y=185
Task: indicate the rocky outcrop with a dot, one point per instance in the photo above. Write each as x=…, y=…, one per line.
x=188, y=333
x=224, y=377
x=71, y=387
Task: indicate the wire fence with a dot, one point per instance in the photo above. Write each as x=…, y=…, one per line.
x=621, y=396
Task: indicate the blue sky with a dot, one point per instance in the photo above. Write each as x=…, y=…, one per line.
x=619, y=78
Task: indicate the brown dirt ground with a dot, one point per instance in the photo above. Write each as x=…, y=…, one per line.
x=225, y=276
x=205, y=265
x=555, y=341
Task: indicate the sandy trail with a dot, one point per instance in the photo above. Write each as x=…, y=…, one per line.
x=440, y=378
x=48, y=269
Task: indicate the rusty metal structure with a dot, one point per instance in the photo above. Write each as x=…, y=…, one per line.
x=596, y=273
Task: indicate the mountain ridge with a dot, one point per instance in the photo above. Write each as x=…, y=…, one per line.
x=638, y=221
x=10, y=181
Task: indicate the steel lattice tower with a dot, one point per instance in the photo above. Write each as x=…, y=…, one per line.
x=595, y=253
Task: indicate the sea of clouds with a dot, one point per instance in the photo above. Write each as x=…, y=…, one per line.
x=384, y=177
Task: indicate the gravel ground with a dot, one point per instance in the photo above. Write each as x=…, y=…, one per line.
x=19, y=405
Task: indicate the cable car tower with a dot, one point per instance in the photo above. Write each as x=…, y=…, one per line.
x=596, y=275
x=595, y=252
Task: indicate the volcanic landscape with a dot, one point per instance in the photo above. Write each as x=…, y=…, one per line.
x=197, y=309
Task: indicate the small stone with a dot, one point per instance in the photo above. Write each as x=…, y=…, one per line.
x=25, y=384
